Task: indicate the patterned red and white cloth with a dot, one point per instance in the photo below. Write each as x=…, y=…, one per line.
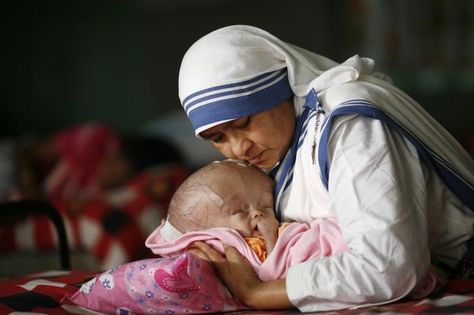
x=112, y=227
x=42, y=294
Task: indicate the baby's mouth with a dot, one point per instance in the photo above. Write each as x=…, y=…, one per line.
x=256, y=232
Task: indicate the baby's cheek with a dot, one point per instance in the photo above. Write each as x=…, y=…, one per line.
x=269, y=230
x=232, y=222
x=266, y=226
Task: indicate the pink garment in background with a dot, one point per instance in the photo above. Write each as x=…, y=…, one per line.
x=81, y=152
x=297, y=243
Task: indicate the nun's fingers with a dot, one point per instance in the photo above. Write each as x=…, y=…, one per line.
x=206, y=252
x=237, y=264
x=238, y=274
x=199, y=253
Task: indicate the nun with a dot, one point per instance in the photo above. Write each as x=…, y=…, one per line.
x=340, y=140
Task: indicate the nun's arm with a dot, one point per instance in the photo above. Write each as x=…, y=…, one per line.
x=240, y=278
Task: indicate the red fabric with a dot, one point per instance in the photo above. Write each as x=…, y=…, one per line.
x=110, y=229
x=43, y=233
x=101, y=247
x=81, y=151
x=7, y=239
x=43, y=298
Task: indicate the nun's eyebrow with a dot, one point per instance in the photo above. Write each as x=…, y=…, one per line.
x=209, y=133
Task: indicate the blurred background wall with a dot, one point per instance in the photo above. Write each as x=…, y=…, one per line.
x=115, y=61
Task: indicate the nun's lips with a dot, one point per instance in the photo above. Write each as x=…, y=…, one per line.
x=256, y=159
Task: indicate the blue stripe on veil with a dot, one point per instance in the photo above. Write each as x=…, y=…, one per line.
x=454, y=181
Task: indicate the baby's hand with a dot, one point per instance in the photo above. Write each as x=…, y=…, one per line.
x=268, y=228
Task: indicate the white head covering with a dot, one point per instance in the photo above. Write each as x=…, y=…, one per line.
x=242, y=70
x=231, y=56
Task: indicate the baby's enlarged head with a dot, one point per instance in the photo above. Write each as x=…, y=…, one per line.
x=224, y=194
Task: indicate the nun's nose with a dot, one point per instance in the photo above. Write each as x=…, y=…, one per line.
x=240, y=147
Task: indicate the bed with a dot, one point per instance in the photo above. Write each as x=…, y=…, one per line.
x=41, y=293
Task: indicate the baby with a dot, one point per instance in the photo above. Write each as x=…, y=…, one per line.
x=228, y=194
x=229, y=202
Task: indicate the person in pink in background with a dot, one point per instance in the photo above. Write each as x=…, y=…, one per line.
x=82, y=162
x=85, y=154
x=74, y=163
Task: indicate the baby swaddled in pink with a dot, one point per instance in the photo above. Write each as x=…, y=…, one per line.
x=229, y=202
x=296, y=243
x=179, y=282
x=225, y=203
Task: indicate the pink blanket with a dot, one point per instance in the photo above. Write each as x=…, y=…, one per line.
x=178, y=282
x=297, y=243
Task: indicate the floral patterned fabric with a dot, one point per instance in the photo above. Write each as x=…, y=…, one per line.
x=183, y=284
x=42, y=294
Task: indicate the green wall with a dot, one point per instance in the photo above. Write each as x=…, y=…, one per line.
x=65, y=62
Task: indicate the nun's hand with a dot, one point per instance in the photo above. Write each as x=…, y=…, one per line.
x=240, y=278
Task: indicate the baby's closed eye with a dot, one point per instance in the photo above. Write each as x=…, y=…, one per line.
x=238, y=212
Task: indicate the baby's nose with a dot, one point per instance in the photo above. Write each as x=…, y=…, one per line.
x=256, y=214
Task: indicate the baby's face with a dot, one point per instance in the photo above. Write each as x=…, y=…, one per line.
x=244, y=202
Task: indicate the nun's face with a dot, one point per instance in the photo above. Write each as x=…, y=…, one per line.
x=262, y=139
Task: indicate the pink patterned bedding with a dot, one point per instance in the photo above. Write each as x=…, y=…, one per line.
x=178, y=285
x=44, y=293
